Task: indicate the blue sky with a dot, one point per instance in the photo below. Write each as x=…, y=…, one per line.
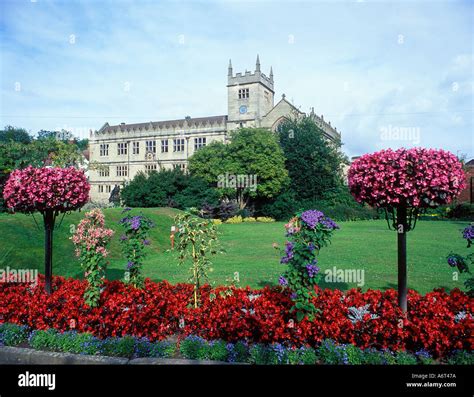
x=371, y=68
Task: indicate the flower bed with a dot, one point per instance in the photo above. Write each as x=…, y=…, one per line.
x=437, y=322
x=196, y=348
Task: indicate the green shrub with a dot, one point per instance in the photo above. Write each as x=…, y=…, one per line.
x=67, y=342
x=462, y=211
x=461, y=357
x=238, y=352
x=331, y=353
x=194, y=348
x=160, y=349
x=374, y=357
x=168, y=188
x=217, y=350
x=301, y=356
x=12, y=334
x=405, y=358
x=262, y=355
x=118, y=347
x=41, y=340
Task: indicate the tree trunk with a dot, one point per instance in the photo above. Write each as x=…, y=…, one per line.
x=402, y=257
x=48, y=218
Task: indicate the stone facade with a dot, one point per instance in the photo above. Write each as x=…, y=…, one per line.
x=124, y=150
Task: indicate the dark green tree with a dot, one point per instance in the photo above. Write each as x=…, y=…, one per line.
x=313, y=162
x=14, y=134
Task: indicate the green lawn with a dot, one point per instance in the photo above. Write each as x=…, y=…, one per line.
x=367, y=245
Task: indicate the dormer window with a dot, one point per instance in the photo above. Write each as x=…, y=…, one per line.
x=244, y=93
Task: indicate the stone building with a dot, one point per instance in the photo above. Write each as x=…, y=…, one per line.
x=125, y=149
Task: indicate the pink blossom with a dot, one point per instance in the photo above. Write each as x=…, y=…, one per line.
x=415, y=177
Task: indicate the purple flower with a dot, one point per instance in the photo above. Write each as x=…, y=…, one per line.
x=126, y=209
x=135, y=222
x=146, y=242
x=468, y=233
x=130, y=265
x=452, y=261
x=312, y=269
x=288, y=252
x=293, y=295
x=311, y=247
x=314, y=217
x=311, y=218
x=283, y=281
x=123, y=237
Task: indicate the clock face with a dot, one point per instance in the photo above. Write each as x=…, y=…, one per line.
x=243, y=109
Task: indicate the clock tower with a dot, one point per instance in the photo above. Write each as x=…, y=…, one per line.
x=249, y=97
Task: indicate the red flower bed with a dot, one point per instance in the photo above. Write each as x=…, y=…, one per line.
x=437, y=322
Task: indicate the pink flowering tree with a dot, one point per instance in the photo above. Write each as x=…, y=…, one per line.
x=49, y=191
x=404, y=183
x=90, y=239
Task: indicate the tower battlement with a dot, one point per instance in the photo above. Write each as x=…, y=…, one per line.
x=249, y=78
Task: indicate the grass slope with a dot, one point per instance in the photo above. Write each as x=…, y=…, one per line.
x=367, y=245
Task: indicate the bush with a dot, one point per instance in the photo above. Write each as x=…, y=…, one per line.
x=461, y=357
x=265, y=219
x=194, y=348
x=171, y=188
x=262, y=355
x=217, y=350
x=238, y=352
x=338, y=205
x=12, y=334
x=250, y=219
x=463, y=211
x=234, y=219
x=161, y=349
x=118, y=347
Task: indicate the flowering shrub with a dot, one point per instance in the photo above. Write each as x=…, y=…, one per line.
x=463, y=262
x=134, y=241
x=90, y=239
x=437, y=322
x=413, y=177
x=307, y=233
x=50, y=191
x=40, y=189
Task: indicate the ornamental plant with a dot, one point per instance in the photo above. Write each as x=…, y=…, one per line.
x=134, y=241
x=91, y=238
x=404, y=183
x=197, y=240
x=49, y=191
x=307, y=232
x=463, y=262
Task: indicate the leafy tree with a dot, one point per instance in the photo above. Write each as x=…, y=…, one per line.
x=168, y=188
x=313, y=162
x=14, y=134
x=252, y=153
